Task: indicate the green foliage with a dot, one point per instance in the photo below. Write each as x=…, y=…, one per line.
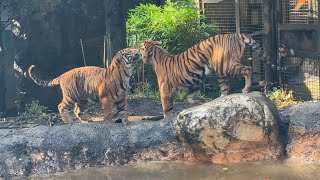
x=182, y=96
x=143, y=90
x=281, y=97
x=38, y=114
x=177, y=25
x=36, y=108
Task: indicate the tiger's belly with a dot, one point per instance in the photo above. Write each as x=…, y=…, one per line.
x=195, y=80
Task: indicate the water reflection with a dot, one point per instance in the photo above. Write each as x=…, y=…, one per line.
x=183, y=171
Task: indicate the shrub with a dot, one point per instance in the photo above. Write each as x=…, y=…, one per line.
x=177, y=25
x=35, y=108
x=281, y=97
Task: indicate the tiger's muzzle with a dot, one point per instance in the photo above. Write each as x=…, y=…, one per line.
x=137, y=56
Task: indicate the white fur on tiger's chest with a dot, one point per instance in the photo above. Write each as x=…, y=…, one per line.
x=207, y=70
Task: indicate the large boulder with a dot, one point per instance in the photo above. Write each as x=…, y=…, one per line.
x=233, y=128
x=303, y=121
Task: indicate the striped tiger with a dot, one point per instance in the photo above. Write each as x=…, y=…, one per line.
x=109, y=86
x=221, y=53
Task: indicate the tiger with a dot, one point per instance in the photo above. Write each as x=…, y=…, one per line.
x=220, y=53
x=109, y=86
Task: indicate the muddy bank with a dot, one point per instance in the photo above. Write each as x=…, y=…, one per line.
x=138, y=109
x=29, y=147
x=232, y=129
x=45, y=149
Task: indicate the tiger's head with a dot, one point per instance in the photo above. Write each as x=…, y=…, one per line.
x=147, y=50
x=127, y=56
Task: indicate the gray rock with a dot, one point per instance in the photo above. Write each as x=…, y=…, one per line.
x=303, y=126
x=45, y=149
x=233, y=128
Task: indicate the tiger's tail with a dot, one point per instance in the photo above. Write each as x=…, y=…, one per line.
x=254, y=45
x=51, y=83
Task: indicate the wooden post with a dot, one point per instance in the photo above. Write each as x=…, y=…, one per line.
x=84, y=59
x=269, y=39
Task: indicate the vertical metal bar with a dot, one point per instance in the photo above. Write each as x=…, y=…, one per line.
x=318, y=30
x=109, y=59
x=84, y=58
x=104, y=52
x=318, y=39
x=143, y=78
x=268, y=39
x=237, y=11
x=202, y=4
x=278, y=13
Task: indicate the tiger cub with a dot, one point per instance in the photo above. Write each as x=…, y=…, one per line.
x=109, y=86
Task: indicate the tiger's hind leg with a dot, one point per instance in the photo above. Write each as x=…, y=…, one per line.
x=78, y=107
x=122, y=111
x=63, y=108
x=246, y=72
x=193, y=96
x=224, y=85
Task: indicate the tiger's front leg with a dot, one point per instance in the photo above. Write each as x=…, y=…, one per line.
x=224, y=85
x=107, y=109
x=122, y=110
x=166, y=101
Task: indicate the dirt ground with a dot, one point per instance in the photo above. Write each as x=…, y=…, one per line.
x=138, y=109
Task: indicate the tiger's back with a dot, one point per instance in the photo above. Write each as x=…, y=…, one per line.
x=82, y=83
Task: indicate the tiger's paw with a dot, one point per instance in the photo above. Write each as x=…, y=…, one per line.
x=245, y=90
x=126, y=122
x=83, y=121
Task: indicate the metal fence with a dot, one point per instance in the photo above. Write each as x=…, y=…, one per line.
x=298, y=30
x=245, y=16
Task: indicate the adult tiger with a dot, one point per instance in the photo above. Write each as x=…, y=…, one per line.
x=220, y=53
x=107, y=85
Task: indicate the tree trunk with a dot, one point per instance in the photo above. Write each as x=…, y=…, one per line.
x=115, y=26
x=269, y=39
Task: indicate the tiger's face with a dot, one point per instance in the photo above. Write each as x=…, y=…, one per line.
x=147, y=50
x=127, y=56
